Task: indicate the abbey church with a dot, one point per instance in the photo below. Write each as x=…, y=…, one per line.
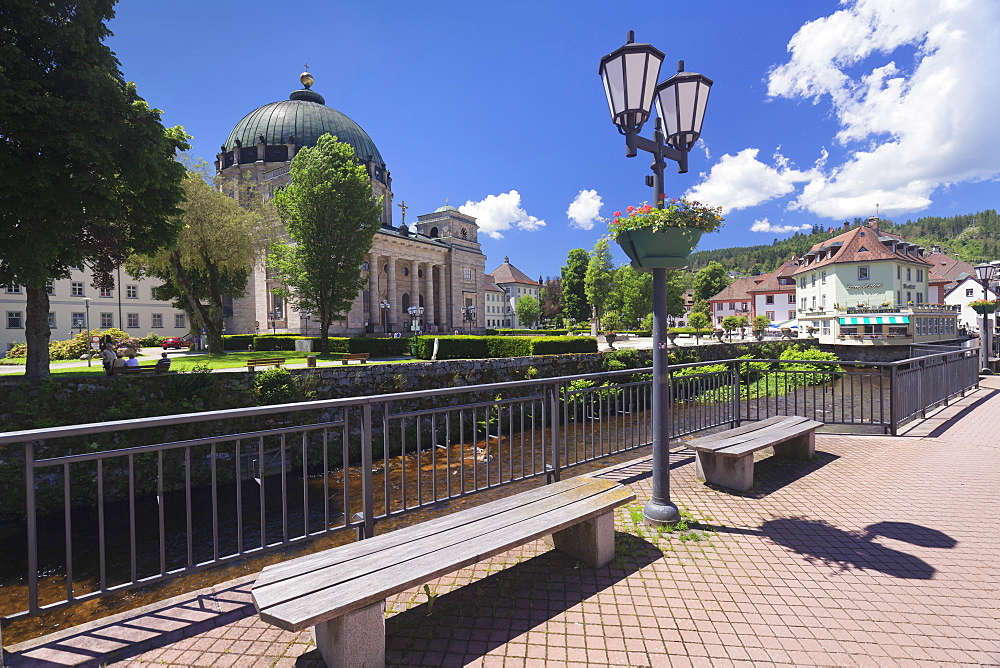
x=436, y=263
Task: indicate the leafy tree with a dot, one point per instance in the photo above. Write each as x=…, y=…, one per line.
x=710, y=281
x=528, y=311
x=220, y=242
x=632, y=295
x=677, y=283
x=742, y=322
x=331, y=217
x=599, y=279
x=88, y=170
x=702, y=306
x=760, y=323
x=574, y=297
x=730, y=323
x=551, y=302
x=699, y=321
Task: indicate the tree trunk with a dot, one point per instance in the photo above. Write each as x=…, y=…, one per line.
x=37, y=332
x=194, y=305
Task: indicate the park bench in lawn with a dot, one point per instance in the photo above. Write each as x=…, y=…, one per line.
x=362, y=357
x=265, y=361
x=341, y=592
x=726, y=458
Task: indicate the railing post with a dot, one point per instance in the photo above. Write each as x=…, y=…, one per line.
x=920, y=388
x=737, y=382
x=30, y=514
x=552, y=470
x=893, y=399
x=367, y=483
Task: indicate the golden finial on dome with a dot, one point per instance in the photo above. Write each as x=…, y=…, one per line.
x=306, y=79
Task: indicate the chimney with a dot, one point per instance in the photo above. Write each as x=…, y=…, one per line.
x=847, y=225
x=873, y=222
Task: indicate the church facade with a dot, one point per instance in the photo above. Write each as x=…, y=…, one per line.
x=436, y=265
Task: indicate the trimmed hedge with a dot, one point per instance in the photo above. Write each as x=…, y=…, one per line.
x=481, y=347
x=527, y=332
x=376, y=347
x=558, y=345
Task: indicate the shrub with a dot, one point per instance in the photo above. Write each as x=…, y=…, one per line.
x=274, y=386
x=560, y=345
x=237, y=341
x=379, y=347
x=152, y=340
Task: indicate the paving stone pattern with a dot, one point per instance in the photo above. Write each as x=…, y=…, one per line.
x=881, y=552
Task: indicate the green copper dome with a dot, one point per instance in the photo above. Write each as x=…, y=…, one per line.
x=304, y=117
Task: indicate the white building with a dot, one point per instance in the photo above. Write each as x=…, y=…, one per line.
x=515, y=285
x=129, y=306
x=966, y=291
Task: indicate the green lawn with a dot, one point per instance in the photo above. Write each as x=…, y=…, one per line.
x=203, y=361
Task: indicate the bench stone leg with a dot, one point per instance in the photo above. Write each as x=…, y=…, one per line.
x=732, y=472
x=801, y=447
x=591, y=541
x=354, y=639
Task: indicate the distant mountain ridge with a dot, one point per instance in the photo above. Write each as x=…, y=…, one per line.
x=972, y=238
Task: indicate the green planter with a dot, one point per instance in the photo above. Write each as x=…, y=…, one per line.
x=983, y=309
x=667, y=249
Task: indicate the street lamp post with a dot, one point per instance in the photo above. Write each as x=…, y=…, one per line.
x=415, y=313
x=86, y=307
x=307, y=316
x=469, y=316
x=272, y=316
x=629, y=76
x=984, y=274
x=384, y=307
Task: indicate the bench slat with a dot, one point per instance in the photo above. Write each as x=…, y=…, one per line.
x=769, y=439
x=743, y=433
x=376, y=544
x=400, y=574
x=330, y=575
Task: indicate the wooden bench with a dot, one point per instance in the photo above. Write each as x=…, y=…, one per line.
x=265, y=361
x=153, y=368
x=362, y=357
x=341, y=592
x=726, y=458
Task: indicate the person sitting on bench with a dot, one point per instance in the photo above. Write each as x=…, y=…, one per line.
x=163, y=363
x=132, y=361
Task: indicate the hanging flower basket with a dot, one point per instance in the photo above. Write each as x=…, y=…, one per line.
x=656, y=238
x=984, y=306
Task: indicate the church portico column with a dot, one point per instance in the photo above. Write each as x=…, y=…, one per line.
x=414, y=283
x=374, y=313
x=430, y=316
x=392, y=316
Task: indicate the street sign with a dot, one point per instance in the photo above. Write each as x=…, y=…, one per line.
x=256, y=323
x=95, y=339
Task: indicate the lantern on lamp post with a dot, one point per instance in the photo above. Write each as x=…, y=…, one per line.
x=985, y=273
x=629, y=75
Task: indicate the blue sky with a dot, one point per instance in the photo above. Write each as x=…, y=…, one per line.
x=820, y=111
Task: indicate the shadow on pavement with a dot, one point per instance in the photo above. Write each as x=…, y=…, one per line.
x=476, y=618
x=821, y=542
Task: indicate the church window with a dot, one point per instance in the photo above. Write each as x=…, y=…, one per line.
x=406, y=301
x=420, y=273
x=406, y=271
x=364, y=266
x=467, y=274
x=434, y=232
x=465, y=233
x=364, y=299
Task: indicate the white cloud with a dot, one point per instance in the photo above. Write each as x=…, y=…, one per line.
x=763, y=225
x=740, y=181
x=584, y=210
x=501, y=212
x=913, y=86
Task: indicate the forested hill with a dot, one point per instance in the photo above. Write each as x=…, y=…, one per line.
x=973, y=237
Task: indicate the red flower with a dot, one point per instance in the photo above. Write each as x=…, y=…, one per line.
x=631, y=208
x=616, y=214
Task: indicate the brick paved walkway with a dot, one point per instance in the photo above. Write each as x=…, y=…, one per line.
x=882, y=552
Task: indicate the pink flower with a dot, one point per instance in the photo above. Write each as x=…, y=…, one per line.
x=631, y=208
x=616, y=214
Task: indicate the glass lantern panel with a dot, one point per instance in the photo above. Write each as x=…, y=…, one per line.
x=638, y=94
x=614, y=84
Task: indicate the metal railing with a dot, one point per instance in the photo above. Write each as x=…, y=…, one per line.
x=98, y=508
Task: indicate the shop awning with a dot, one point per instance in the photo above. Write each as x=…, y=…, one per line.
x=877, y=320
